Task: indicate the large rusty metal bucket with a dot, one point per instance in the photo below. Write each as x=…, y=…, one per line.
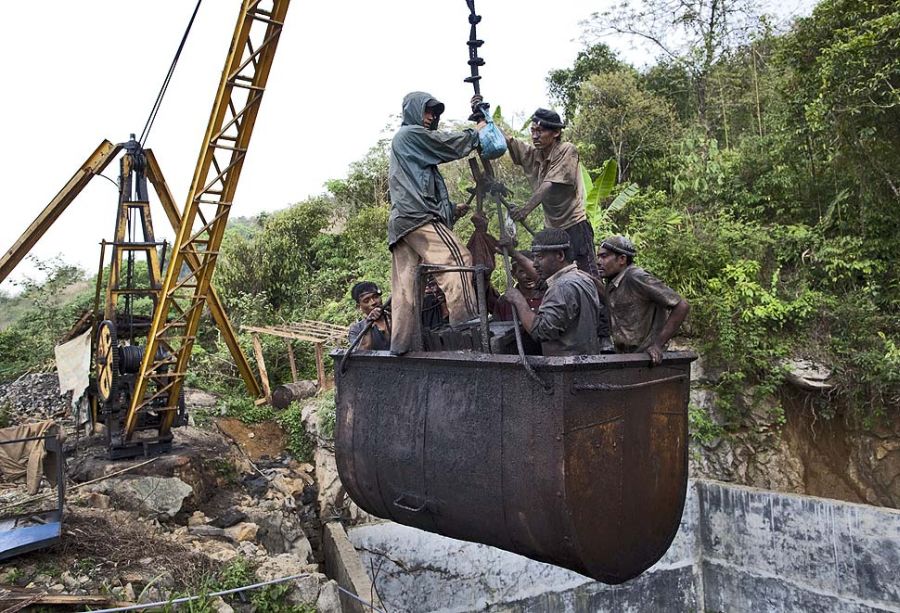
x=591, y=476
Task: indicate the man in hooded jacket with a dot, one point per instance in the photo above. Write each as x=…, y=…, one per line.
x=421, y=218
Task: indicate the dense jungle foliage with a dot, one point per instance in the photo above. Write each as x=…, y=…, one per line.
x=766, y=173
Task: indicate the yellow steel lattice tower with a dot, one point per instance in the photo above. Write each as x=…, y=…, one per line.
x=209, y=202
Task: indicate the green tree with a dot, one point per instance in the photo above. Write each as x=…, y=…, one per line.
x=54, y=302
x=563, y=84
x=367, y=183
x=621, y=120
x=694, y=34
x=281, y=259
x=844, y=85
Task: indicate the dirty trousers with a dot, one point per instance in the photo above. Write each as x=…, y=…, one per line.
x=432, y=243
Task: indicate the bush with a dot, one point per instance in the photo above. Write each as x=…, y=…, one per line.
x=300, y=444
x=326, y=413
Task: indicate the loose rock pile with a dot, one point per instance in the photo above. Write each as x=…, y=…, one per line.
x=194, y=513
x=33, y=397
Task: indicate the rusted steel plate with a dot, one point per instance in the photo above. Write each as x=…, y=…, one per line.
x=591, y=476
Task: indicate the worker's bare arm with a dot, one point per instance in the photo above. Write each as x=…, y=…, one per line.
x=517, y=300
x=676, y=317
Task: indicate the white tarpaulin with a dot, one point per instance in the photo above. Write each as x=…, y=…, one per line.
x=73, y=365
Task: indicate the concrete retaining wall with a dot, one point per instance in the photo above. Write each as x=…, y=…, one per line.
x=764, y=551
x=738, y=549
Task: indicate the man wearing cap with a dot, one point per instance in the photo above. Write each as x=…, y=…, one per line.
x=421, y=218
x=644, y=312
x=552, y=169
x=566, y=322
x=368, y=301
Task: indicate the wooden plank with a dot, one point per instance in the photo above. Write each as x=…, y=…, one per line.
x=291, y=360
x=261, y=363
x=296, y=335
x=320, y=365
x=302, y=332
x=27, y=597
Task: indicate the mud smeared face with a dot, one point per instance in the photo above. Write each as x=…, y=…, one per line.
x=369, y=301
x=548, y=263
x=610, y=263
x=543, y=137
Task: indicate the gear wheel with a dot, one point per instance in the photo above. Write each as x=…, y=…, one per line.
x=106, y=359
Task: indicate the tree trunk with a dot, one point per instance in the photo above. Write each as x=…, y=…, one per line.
x=285, y=394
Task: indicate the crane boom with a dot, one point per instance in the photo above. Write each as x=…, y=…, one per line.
x=94, y=165
x=209, y=202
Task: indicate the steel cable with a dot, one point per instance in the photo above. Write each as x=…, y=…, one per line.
x=185, y=599
x=162, y=90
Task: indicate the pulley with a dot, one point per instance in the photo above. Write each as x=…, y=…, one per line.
x=106, y=360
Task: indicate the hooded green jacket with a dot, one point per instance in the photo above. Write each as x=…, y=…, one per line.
x=418, y=192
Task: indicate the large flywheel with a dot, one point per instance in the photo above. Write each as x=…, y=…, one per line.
x=106, y=360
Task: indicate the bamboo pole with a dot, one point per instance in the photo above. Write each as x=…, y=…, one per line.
x=261, y=363
x=291, y=360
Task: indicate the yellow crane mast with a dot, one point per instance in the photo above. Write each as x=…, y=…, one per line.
x=185, y=289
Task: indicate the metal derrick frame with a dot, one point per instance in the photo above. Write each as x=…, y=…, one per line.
x=94, y=165
x=211, y=196
x=132, y=178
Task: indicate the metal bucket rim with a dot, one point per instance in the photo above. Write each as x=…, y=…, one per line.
x=539, y=362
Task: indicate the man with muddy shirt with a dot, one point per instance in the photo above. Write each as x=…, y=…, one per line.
x=566, y=321
x=421, y=218
x=644, y=312
x=552, y=169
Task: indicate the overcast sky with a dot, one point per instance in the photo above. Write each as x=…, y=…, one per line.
x=79, y=72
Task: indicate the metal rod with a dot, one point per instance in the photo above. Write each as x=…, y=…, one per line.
x=184, y=599
x=611, y=387
x=418, y=342
x=481, y=290
x=28, y=439
x=509, y=282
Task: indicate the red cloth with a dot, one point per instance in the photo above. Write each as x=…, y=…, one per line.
x=483, y=247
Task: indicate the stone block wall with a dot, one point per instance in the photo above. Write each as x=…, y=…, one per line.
x=738, y=549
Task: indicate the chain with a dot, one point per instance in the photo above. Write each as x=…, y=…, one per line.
x=474, y=43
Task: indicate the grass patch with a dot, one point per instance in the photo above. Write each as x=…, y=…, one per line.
x=701, y=427
x=5, y=415
x=239, y=573
x=244, y=408
x=224, y=468
x=300, y=444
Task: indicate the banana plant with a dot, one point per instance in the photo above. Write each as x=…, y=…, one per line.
x=599, y=188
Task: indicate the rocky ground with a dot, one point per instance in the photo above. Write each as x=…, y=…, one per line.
x=228, y=507
x=787, y=445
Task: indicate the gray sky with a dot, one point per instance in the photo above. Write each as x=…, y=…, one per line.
x=79, y=72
